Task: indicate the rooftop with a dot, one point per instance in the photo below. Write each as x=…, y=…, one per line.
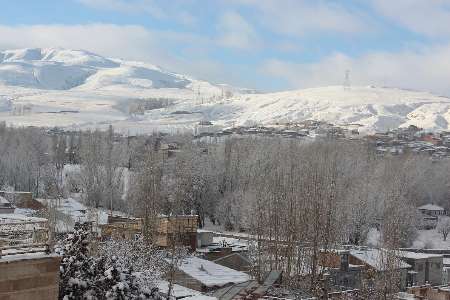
x=430, y=207
x=211, y=274
x=19, y=218
x=376, y=258
x=178, y=291
x=414, y=255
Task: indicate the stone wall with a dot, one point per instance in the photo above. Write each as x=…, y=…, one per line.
x=29, y=277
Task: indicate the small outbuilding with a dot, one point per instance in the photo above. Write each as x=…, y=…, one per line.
x=5, y=206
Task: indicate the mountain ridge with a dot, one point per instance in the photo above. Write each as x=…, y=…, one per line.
x=80, y=89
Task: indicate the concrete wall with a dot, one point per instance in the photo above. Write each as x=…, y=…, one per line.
x=435, y=270
x=235, y=261
x=183, y=279
x=429, y=270
x=204, y=238
x=28, y=278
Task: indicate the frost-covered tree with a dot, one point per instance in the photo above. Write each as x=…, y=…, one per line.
x=146, y=261
x=101, y=277
x=443, y=227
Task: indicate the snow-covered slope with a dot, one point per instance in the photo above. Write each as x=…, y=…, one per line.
x=76, y=88
x=373, y=107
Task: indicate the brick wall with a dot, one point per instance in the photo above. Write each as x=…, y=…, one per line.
x=29, y=278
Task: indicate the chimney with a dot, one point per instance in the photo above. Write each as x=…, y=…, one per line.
x=344, y=260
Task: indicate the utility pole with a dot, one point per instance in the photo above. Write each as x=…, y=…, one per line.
x=347, y=80
x=109, y=167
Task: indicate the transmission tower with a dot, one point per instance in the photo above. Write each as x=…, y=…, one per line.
x=347, y=80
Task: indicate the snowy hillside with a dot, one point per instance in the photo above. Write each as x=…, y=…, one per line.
x=374, y=108
x=79, y=89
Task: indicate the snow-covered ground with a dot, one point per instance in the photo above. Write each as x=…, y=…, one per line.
x=431, y=239
x=77, y=89
x=72, y=210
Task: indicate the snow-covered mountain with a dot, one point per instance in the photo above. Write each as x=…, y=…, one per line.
x=79, y=89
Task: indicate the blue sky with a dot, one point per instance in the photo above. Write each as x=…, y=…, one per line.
x=262, y=44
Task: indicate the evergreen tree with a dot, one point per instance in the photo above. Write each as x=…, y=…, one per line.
x=83, y=276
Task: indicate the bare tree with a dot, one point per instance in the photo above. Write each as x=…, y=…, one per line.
x=443, y=227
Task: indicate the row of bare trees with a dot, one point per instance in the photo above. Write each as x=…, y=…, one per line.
x=295, y=198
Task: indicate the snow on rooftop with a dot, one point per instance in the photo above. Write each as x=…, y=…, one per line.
x=375, y=258
x=405, y=296
x=76, y=211
x=431, y=207
x=414, y=255
x=200, y=297
x=18, y=218
x=26, y=256
x=3, y=200
x=178, y=291
x=209, y=273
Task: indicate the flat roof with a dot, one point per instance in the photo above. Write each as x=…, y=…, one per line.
x=415, y=255
x=431, y=207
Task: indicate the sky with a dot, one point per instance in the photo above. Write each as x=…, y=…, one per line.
x=268, y=45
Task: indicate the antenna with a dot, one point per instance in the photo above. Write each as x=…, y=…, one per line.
x=347, y=80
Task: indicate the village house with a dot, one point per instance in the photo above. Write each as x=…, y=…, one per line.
x=343, y=275
x=432, y=210
x=378, y=261
x=180, y=229
x=347, y=267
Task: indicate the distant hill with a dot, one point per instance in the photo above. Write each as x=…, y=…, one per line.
x=79, y=89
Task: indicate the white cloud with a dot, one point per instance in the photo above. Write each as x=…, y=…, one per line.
x=173, y=9
x=236, y=32
x=127, y=42
x=299, y=17
x=428, y=17
x=422, y=69
x=127, y=6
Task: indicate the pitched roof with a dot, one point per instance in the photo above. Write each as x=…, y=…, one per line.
x=430, y=207
x=211, y=274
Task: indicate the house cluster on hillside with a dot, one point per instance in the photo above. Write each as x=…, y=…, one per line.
x=302, y=129
x=393, y=142
x=412, y=139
